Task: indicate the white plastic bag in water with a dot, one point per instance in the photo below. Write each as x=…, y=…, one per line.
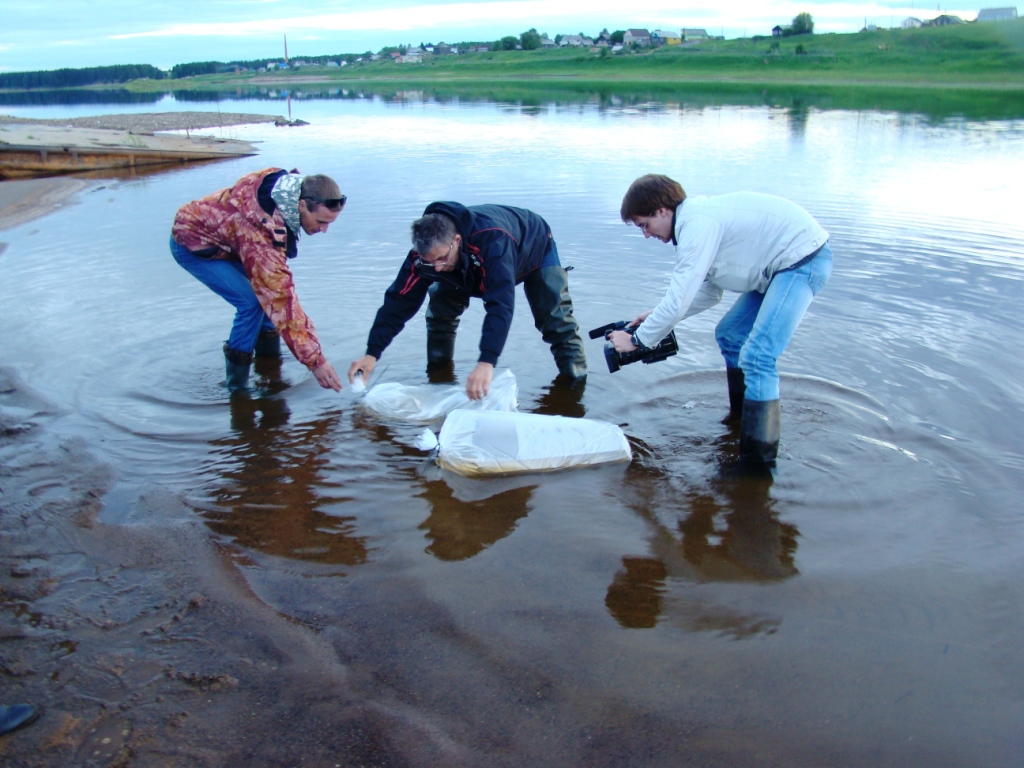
x=425, y=403
x=495, y=442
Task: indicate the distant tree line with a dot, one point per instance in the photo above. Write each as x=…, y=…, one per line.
x=72, y=78
x=123, y=73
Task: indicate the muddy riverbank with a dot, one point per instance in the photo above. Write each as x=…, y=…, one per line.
x=140, y=643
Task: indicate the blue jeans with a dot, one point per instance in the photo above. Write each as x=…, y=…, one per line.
x=755, y=332
x=227, y=278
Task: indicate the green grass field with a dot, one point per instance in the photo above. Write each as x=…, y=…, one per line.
x=986, y=55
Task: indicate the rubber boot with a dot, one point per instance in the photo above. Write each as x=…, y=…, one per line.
x=267, y=358
x=444, y=309
x=547, y=291
x=759, y=432
x=268, y=344
x=737, y=388
x=237, y=365
x=13, y=716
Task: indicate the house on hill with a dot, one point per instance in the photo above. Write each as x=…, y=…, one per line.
x=945, y=20
x=695, y=34
x=997, y=14
x=911, y=23
x=661, y=37
x=576, y=41
x=639, y=37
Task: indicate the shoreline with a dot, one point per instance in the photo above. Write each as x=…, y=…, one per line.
x=23, y=200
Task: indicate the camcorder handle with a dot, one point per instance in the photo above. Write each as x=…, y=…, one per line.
x=604, y=330
x=665, y=348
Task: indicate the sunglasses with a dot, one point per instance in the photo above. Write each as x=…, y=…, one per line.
x=333, y=203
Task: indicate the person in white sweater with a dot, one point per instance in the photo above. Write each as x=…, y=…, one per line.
x=770, y=251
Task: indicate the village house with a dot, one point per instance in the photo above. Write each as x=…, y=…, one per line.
x=945, y=20
x=911, y=23
x=661, y=37
x=639, y=37
x=575, y=41
x=997, y=14
x=694, y=35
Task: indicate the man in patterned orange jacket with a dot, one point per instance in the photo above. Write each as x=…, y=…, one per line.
x=237, y=242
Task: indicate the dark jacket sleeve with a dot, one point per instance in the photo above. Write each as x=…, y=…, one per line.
x=401, y=301
x=498, y=254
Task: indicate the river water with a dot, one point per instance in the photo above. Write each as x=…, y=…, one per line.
x=865, y=608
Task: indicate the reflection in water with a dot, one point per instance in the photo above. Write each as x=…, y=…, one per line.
x=731, y=532
x=798, y=114
x=634, y=597
x=563, y=397
x=272, y=496
x=459, y=530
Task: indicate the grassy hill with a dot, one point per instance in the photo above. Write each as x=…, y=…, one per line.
x=975, y=55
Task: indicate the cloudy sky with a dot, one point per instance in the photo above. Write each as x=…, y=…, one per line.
x=84, y=33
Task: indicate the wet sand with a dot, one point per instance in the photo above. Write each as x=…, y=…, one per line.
x=139, y=641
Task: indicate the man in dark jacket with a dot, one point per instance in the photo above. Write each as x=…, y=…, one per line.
x=482, y=251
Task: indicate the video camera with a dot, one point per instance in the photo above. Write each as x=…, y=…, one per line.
x=663, y=349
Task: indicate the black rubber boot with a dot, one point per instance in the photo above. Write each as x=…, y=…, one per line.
x=759, y=433
x=237, y=365
x=267, y=358
x=268, y=344
x=547, y=291
x=444, y=309
x=737, y=387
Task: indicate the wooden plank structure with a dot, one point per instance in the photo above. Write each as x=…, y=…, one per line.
x=36, y=149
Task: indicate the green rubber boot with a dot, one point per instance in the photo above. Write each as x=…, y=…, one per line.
x=237, y=366
x=547, y=291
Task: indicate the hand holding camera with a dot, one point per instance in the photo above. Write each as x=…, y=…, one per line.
x=665, y=348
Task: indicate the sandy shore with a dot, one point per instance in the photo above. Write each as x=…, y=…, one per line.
x=137, y=638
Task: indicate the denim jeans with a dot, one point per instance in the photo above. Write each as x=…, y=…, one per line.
x=755, y=332
x=227, y=278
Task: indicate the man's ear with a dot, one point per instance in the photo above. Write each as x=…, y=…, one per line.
x=303, y=208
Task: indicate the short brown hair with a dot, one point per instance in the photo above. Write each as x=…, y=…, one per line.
x=650, y=193
x=318, y=188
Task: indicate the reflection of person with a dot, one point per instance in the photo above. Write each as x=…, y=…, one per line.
x=274, y=487
x=731, y=533
x=237, y=242
x=768, y=249
x=482, y=251
x=14, y=716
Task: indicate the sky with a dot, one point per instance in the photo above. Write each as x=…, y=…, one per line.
x=88, y=33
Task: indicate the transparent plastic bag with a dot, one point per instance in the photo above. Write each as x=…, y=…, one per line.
x=494, y=442
x=426, y=403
